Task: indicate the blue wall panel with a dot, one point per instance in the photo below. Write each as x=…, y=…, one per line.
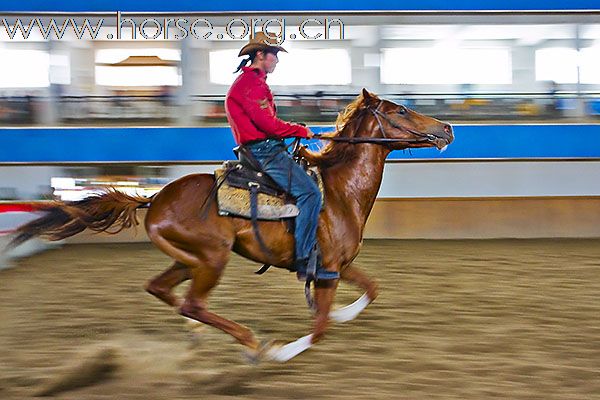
x=215, y=144
x=297, y=5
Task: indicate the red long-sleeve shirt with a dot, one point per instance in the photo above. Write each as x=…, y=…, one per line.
x=251, y=111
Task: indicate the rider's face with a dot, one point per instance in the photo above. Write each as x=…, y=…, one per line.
x=270, y=61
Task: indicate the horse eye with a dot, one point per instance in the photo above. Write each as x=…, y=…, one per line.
x=402, y=110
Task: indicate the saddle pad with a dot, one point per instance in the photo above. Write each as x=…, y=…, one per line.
x=236, y=201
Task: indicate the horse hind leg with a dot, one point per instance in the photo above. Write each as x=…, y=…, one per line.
x=161, y=286
x=204, y=279
x=205, y=269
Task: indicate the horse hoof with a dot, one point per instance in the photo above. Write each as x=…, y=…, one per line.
x=255, y=356
x=283, y=353
x=196, y=330
x=251, y=356
x=193, y=325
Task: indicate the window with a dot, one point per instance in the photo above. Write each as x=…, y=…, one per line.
x=590, y=65
x=222, y=63
x=560, y=65
x=433, y=65
x=60, y=68
x=298, y=67
x=138, y=67
x=313, y=67
x=24, y=68
x=556, y=64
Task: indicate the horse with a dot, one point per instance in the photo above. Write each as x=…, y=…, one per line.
x=351, y=166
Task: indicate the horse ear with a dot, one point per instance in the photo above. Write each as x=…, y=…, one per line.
x=368, y=98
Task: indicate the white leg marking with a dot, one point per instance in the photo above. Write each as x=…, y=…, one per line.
x=351, y=311
x=290, y=350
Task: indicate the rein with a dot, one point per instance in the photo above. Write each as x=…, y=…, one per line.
x=422, y=137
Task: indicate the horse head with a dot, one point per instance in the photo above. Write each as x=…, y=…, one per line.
x=401, y=127
x=381, y=122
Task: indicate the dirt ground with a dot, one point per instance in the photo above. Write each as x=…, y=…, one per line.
x=455, y=320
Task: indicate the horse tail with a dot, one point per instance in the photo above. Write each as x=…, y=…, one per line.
x=98, y=213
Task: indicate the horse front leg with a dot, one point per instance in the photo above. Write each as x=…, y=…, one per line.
x=350, y=274
x=324, y=296
x=354, y=275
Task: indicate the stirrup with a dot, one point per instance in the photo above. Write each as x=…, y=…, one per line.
x=318, y=273
x=322, y=274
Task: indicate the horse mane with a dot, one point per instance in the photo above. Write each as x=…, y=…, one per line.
x=345, y=126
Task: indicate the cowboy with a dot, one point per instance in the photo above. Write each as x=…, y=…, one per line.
x=251, y=112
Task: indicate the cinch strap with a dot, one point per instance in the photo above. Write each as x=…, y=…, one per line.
x=254, y=217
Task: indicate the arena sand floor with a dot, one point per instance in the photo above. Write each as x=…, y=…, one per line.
x=510, y=319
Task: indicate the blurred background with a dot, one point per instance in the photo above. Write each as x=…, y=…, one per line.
x=514, y=317
x=521, y=88
x=464, y=69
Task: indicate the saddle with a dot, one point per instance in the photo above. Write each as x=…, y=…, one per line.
x=242, y=182
x=244, y=190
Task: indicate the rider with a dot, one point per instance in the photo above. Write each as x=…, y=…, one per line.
x=251, y=112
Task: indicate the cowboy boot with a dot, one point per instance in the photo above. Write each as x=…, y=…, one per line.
x=312, y=268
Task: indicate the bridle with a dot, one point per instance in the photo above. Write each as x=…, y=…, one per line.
x=385, y=140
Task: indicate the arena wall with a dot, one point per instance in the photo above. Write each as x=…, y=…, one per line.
x=494, y=181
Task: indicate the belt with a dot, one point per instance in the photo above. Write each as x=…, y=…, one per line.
x=251, y=142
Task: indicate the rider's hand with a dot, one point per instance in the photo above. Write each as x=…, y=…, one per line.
x=310, y=134
x=325, y=135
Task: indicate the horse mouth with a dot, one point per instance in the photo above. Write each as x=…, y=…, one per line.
x=441, y=143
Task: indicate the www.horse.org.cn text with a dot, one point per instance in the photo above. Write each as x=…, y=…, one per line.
x=169, y=28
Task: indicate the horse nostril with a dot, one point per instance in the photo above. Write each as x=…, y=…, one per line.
x=448, y=129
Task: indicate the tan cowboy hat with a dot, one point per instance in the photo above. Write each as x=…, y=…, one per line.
x=260, y=41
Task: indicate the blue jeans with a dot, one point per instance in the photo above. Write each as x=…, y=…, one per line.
x=276, y=162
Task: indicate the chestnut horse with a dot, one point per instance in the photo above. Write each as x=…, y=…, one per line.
x=351, y=164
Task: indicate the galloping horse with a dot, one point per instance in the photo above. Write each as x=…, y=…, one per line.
x=351, y=165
